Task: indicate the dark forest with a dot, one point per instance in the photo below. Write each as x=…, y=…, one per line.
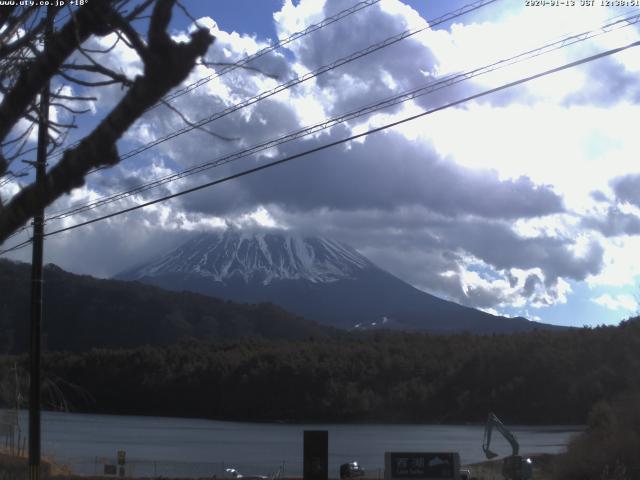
x=539, y=377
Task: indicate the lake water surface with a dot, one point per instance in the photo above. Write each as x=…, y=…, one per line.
x=194, y=447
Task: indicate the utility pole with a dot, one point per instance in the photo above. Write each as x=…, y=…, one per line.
x=36, y=277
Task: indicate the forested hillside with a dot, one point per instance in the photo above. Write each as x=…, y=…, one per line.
x=537, y=377
x=82, y=312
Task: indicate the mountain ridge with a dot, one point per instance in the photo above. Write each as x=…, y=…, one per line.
x=269, y=256
x=315, y=277
x=82, y=312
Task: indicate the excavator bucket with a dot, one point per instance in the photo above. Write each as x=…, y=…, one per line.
x=494, y=422
x=490, y=454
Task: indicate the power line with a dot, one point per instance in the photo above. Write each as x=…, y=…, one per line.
x=532, y=53
x=372, y=48
x=293, y=82
x=300, y=79
x=280, y=43
x=18, y=231
x=16, y=247
x=243, y=62
x=437, y=21
x=260, y=53
x=338, y=142
x=347, y=139
x=403, y=97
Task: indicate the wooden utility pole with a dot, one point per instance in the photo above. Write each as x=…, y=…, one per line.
x=36, y=278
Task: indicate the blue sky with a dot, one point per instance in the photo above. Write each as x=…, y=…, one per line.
x=522, y=203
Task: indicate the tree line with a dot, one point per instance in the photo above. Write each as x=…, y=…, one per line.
x=539, y=377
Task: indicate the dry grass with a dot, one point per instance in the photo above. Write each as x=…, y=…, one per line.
x=608, y=448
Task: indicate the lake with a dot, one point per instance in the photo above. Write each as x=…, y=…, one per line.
x=166, y=446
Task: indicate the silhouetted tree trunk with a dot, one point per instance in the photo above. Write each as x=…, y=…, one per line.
x=25, y=68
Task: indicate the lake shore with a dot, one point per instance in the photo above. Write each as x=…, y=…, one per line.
x=15, y=468
x=195, y=448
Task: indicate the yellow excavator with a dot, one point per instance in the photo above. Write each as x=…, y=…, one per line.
x=514, y=467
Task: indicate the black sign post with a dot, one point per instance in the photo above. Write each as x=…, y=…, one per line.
x=316, y=455
x=121, y=462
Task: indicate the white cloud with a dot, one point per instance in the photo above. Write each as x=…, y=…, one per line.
x=546, y=142
x=620, y=265
x=260, y=217
x=619, y=302
x=482, y=204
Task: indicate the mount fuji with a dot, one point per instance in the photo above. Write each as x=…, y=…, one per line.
x=318, y=278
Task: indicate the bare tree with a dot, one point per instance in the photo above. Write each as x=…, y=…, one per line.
x=27, y=65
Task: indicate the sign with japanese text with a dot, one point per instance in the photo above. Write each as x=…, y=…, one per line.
x=422, y=465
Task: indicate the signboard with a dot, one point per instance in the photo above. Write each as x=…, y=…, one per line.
x=316, y=455
x=109, y=469
x=422, y=465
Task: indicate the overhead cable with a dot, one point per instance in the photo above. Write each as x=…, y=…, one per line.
x=371, y=108
x=303, y=78
x=347, y=139
x=260, y=53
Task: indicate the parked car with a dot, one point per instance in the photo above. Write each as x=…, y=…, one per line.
x=351, y=470
x=233, y=473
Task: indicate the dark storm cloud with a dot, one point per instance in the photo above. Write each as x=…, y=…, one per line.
x=266, y=120
x=609, y=82
x=402, y=66
x=517, y=95
x=477, y=296
x=599, y=196
x=428, y=250
x=225, y=50
x=614, y=223
x=106, y=248
x=120, y=180
x=530, y=284
x=552, y=254
x=383, y=172
x=627, y=189
x=415, y=213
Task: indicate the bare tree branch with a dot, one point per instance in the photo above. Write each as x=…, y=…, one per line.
x=184, y=118
x=96, y=68
x=69, y=109
x=77, y=98
x=138, y=10
x=19, y=137
x=134, y=40
x=106, y=50
x=86, y=21
x=166, y=65
x=87, y=83
x=28, y=37
x=13, y=23
x=6, y=12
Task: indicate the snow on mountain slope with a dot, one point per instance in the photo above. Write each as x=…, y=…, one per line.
x=319, y=279
x=258, y=257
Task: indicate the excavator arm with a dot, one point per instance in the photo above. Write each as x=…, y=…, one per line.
x=494, y=422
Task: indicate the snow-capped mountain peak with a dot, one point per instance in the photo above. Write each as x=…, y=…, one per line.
x=317, y=278
x=263, y=256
